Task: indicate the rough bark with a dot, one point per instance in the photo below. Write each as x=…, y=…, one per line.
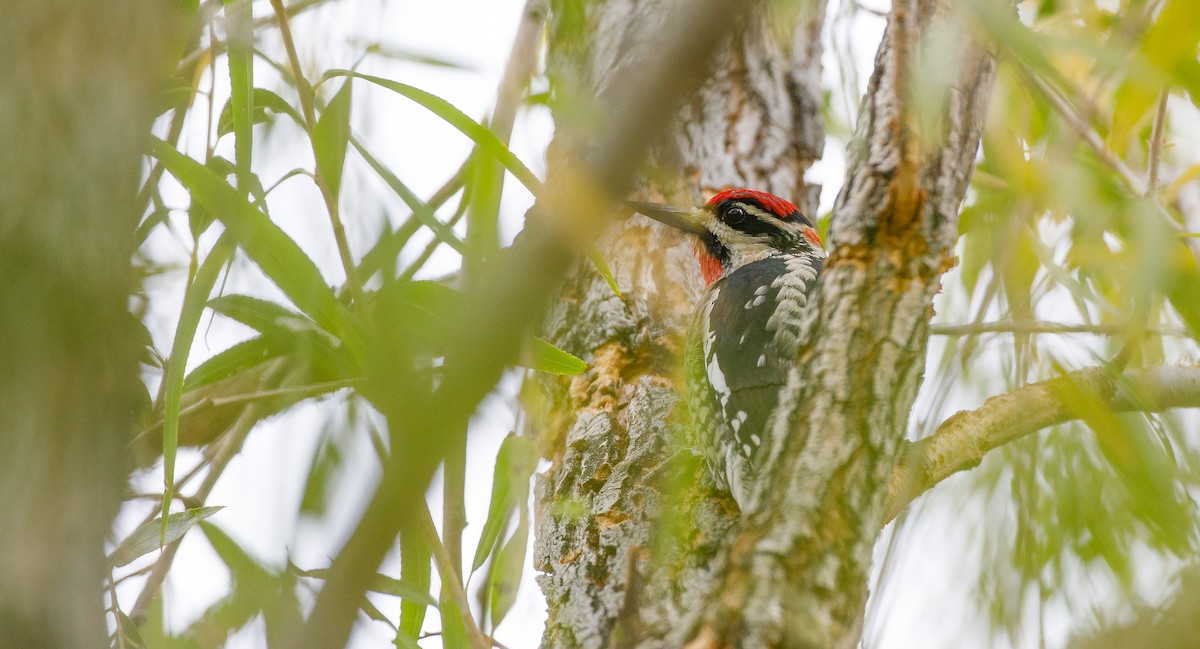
x=628, y=561
x=616, y=572
x=799, y=565
x=76, y=92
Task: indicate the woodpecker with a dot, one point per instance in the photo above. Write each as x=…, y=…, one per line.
x=760, y=259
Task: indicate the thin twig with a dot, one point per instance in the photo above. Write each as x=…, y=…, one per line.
x=1156, y=144
x=219, y=46
x=223, y=452
x=1040, y=327
x=119, y=628
x=304, y=392
x=1085, y=132
x=305, y=90
x=1088, y=135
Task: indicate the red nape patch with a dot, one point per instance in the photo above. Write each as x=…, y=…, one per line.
x=813, y=236
x=710, y=266
x=770, y=202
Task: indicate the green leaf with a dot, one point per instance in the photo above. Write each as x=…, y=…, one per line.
x=240, y=28
x=264, y=316
x=515, y=463
x=268, y=246
x=433, y=312
x=454, y=632
x=504, y=577
x=330, y=136
x=405, y=641
x=383, y=585
x=373, y=613
x=478, y=133
x=418, y=206
x=605, y=272
x=291, y=333
x=327, y=458
x=545, y=357
x=148, y=538
x=243, y=566
x=152, y=220
x=185, y=332
x=133, y=636
x=225, y=364
x=415, y=569
x=1181, y=286
x=264, y=100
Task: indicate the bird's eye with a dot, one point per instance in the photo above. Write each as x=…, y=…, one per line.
x=735, y=215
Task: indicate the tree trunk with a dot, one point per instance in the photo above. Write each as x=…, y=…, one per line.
x=609, y=432
x=76, y=90
x=628, y=560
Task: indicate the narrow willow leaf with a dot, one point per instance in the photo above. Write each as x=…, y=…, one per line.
x=268, y=246
x=291, y=333
x=185, y=332
x=504, y=577
x=405, y=641
x=240, y=28
x=510, y=485
x=415, y=569
x=264, y=100
x=243, y=566
x=395, y=53
x=330, y=137
x=383, y=585
x=545, y=357
x=478, y=133
x=454, y=632
x=327, y=459
x=1181, y=286
x=133, y=636
x=418, y=207
x=605, y=272
x=434, y=313
x=152, y=220
x=263, y=316
x=225, y=364
x=147, y=538
x=374, y=613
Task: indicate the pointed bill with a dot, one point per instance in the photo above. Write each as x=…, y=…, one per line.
x=681, y=218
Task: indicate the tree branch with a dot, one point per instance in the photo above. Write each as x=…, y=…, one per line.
x=962, y=441
x=1041, y=327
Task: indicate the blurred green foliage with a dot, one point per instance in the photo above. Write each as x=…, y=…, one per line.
x=1075, y=215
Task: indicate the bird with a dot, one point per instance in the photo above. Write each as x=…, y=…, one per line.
x=760, y=258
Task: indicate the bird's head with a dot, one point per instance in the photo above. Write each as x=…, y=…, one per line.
x=737, y=227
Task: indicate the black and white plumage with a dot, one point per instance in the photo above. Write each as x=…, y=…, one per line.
x=761, y=260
